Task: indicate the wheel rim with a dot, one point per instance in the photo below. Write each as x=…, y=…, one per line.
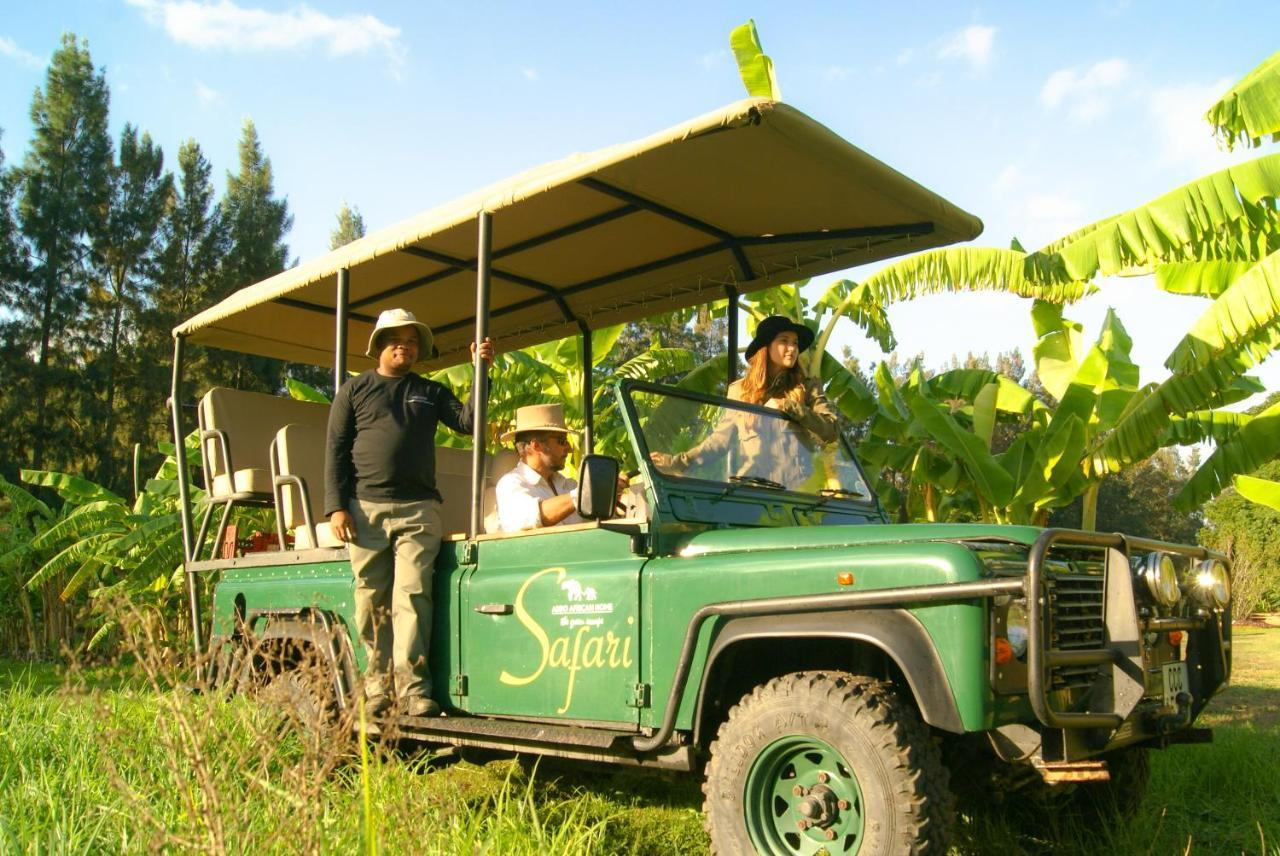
x=802, y=797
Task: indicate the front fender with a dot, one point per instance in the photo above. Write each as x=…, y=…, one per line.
x=896, y=632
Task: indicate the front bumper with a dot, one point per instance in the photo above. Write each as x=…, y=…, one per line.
x=1126, y=702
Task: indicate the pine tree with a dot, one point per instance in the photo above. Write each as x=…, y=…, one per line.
x=350, y=227
x=256, y=225
x=63, y=182
x=13, y=333
x=124, y=252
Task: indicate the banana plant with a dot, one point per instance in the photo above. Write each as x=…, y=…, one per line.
x=1262, y=491
x=1251, y=109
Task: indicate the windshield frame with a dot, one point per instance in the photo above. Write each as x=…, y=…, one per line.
x=655, y=475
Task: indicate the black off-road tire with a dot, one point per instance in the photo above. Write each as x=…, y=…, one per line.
x=771, y=754
x=306, y=696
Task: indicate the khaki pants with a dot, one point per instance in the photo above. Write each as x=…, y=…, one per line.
x=392, y=558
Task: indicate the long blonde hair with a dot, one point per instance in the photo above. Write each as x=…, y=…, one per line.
x=788, y=383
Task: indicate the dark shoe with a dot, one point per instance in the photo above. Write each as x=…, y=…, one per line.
x=377, y=705
x=421, y=706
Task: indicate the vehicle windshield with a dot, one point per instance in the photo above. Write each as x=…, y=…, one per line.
x=716, y=439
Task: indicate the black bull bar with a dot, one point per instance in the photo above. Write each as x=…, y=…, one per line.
x=1124, y=629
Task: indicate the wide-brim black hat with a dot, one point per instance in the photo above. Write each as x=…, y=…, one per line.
x=770, y=328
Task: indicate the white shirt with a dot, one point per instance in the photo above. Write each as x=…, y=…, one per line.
x=519, y=495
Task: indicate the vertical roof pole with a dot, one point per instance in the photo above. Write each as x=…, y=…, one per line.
x=341, y=307
x=732, y=323
x=184, y=499
x=588, y=392
x=480, y=382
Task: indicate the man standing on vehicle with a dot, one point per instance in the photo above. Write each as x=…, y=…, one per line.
x=381, y=498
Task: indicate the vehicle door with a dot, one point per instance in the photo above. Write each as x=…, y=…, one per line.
x=550, y=625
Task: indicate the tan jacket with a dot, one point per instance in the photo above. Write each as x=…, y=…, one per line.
x=764, y=447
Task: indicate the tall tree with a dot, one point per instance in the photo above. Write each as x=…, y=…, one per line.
x=64, y=181
x=124, y=252
x=350, y=227
x=257, y=223
x=12, y=331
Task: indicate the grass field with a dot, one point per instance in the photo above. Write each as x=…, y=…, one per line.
x=105, y=761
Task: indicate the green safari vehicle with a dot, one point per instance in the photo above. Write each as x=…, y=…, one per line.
x=830, y=674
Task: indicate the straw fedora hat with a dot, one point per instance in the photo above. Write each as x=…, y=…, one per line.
x=392, y=318
x=538, y=417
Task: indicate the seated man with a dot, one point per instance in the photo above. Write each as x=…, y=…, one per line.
x=535, y=493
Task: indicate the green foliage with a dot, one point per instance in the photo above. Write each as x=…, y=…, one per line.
x=1257, y=490
x=1256, y=443
x=754, y=65
x=350, y=227
x=1249, y=533
x=1251, y=109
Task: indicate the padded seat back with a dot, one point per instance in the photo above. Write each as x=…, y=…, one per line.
x=300, y=452
x=501, y=463
x=250, y=421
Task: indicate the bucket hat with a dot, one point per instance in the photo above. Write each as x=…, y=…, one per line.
x=770, y=328
x=392, y=318
x=538, y=417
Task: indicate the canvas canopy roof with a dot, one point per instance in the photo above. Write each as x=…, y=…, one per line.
x=748, y=196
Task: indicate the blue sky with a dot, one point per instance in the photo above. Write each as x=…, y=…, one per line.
x=1036, y=117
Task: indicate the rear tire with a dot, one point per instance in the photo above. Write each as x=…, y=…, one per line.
x=818, y=760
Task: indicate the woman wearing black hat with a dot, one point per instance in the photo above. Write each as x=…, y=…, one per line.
x=775, y=378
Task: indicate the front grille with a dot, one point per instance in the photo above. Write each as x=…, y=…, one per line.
x=1076, y=622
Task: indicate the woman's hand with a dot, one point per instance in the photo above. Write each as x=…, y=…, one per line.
x=662, y=459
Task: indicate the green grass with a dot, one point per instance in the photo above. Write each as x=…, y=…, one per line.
x=101, y=761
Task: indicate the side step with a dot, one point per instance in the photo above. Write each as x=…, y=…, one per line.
x=451, y=727
x=539, y=738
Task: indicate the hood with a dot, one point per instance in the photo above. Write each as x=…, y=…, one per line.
x=810, y=537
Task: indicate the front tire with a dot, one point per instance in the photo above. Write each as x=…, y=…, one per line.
x=828, y=762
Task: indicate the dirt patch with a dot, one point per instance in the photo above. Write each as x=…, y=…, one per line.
x=1259, y=619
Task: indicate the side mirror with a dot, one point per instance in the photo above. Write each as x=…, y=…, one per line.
x=597, y=487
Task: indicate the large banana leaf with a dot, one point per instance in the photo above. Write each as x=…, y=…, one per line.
x=1249, y=306
x=957, y=269
x=1206, y=279
x=753, y=64
x=1252, y=446
x=1011, y=397
x=657, y=363
x=73, y=489
x=101, y=515
x=1251, y=109
x=69, y=557
x=1120, y=378
x=846, y=391
x=1058, y=347
x=1216, y=216
x=848, y=299
x=23, y=501
x=1203, y=426
x=990, y=479
x=1261, y=491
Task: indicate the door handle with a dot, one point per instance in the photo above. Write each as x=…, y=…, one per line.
x=495, y=609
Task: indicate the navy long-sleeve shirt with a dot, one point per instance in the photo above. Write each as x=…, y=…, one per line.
x=381, y=442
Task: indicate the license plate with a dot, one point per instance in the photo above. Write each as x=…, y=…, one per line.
x=1175, y=681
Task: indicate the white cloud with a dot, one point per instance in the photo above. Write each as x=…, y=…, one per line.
x=1182, y=135
x=224, y=25
x=529, y=73
x=9, y=48
x=206, y=94
x=1008, y=178
x=1086, y=94
x=714, y=58
x=972, y=44
x=1044, y=217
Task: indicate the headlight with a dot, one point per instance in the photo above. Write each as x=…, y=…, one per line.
x=1162, y=578
x=1212, y=583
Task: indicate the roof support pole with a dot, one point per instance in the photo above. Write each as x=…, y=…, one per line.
x=184, y=498
x=731, y=322
x=480, y=381
x=588, y=392
x=341, y=306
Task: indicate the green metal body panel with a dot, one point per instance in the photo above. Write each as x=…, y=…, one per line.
x=550, y=626
x=675, y=587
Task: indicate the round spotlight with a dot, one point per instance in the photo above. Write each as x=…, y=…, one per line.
x=1162, y=578
x=1213, y=583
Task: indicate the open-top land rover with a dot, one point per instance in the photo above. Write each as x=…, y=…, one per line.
x=764, y=626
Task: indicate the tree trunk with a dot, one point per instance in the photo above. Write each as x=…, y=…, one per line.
x=1089, y=508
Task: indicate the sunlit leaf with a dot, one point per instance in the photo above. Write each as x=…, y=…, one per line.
x=1249, y=448
x=1249, y=306
x=754, y=65
x=1251, y=109
x=1261, y=491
